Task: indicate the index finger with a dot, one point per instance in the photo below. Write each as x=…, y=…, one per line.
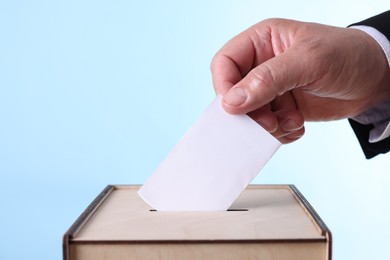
x=238, y=56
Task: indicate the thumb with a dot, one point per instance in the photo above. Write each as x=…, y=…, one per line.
x=267, y=81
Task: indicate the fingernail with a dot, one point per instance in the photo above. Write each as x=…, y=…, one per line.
x=290, y=125
x=235, y=97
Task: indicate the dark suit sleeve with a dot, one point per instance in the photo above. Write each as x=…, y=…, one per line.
x=381, y=23
x=370, y=149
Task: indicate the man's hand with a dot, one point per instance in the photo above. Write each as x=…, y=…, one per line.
x=284, y=72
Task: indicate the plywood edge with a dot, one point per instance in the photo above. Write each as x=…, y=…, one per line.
x=127, y=186
x=314, y=217
x=268, y=186
x=202, y=241
x=83, y=219
x=305, y=251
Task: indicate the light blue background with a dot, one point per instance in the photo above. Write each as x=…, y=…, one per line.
x=98, y=92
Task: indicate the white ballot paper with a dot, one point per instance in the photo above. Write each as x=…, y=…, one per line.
x=211, y=165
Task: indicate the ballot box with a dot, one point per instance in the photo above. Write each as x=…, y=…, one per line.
x=265, y=222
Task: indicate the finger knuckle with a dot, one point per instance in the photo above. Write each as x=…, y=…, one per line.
x=264, y=78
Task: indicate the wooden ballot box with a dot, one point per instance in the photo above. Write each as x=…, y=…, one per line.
x=265, y=222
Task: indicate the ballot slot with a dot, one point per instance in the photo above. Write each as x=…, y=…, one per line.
x=228, y=210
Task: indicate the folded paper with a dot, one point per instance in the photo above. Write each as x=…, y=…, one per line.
x=211, y=165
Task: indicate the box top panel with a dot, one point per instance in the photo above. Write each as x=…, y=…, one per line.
x=266, y=212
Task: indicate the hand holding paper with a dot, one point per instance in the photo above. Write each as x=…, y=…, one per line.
x=212, y=164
